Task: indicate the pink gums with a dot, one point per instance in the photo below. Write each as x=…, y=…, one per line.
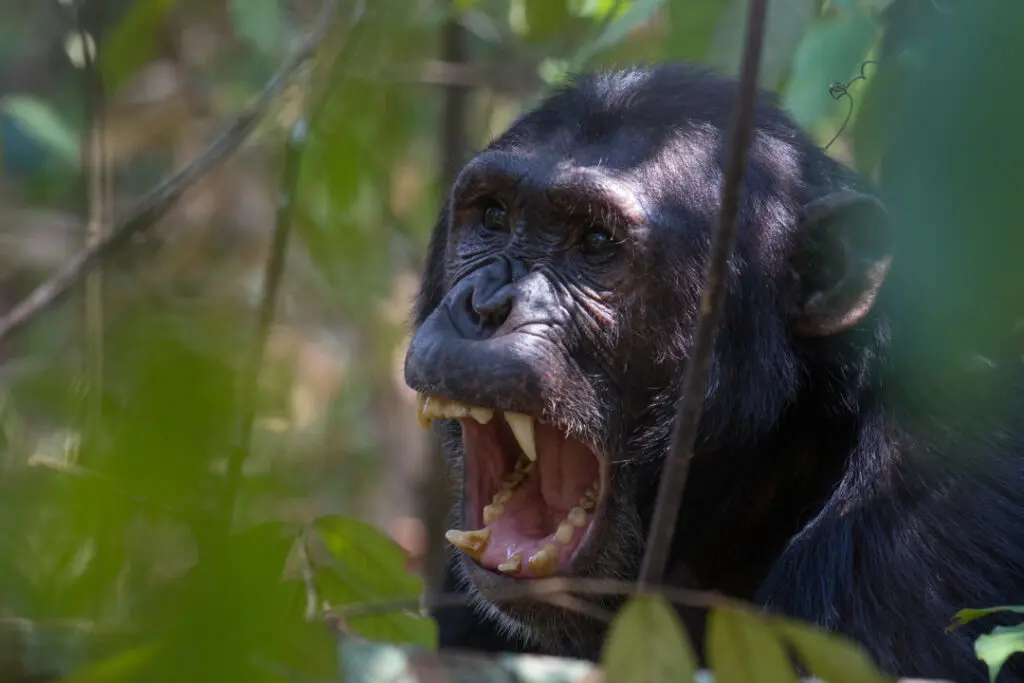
x=564, y=471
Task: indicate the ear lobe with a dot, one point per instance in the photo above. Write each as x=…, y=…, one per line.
x=842, y=259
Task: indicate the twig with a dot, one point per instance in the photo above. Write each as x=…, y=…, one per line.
x=433, y=499
x=308, y=579
x=99, y=200
x=154, y=205
x=250, y=372
x=547, y=588
x=684, y=432
x=839, y=90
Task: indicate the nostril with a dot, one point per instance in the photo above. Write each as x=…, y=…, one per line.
x=492, y=308
x=471, y=312
x=498, y=313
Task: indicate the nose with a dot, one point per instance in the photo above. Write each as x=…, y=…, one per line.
x=486, y=301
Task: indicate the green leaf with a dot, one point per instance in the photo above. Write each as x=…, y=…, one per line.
x=370, y=555
x=370, y=568
x=639, y=11
x=38, y=120
x=830, y=657
x=399, y=628
x=830, y=52
x=259, y=21
x=132, y=42
x=996, y=647
x=743, y=648
x=786, y=24
x=966, y=616
x=646, y=643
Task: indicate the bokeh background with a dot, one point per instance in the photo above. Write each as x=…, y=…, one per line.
x=119, y=406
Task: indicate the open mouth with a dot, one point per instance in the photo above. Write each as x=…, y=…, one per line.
x=531, y=494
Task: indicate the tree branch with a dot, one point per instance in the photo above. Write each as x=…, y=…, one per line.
x=154, y=205
x=544, y=589
x=434, y=501
x=250, y=372
x=684, y=432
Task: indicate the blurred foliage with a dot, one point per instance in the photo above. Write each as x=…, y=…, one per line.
x=646, y=643
x=116, y=528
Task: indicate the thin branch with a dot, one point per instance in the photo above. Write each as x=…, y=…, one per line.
x=99, y=200
x=684, y=432
x=250, y=372
x=545, y=589
x=308, y=579
x=433, y=499
x=154, y=205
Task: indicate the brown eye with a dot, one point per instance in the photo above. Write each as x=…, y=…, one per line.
x=495, y=217
x=597, y=242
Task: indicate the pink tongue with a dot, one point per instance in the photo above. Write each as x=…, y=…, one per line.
x=564, y=472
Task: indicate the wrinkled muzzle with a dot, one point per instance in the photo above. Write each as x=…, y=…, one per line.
x=485, y=345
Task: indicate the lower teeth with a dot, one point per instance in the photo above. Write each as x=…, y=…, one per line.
x=512, y=565
x=545, y=561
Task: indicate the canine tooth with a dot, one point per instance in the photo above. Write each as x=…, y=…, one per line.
x=544, y=562
x=565, y=532
x=422, y=419
x=577, y=517
x=512, y=565
x=522, y=427
x=481, y=415
x=491, y=512
x=473, y=543
x=502, y=497
x=433, y=407
x=427, y=407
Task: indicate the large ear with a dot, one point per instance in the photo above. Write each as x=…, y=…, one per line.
x=842, y=259
x=432, y=283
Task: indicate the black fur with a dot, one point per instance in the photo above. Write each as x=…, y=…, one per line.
x=823, y=487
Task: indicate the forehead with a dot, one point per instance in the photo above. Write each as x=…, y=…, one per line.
x=657, y=126
x=638, y=161
x=620, y=119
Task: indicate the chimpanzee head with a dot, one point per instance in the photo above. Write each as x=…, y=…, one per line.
x=559, y=304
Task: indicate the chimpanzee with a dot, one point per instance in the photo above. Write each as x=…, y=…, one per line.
x=556, y=315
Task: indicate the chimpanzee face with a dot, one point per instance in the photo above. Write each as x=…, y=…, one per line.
x=558, y=311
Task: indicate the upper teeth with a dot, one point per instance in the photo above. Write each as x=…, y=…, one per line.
x=433, y=407
x=522, y=427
